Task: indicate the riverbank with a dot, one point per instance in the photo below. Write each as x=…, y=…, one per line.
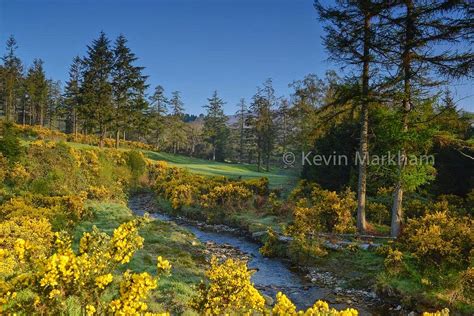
x=304, y=285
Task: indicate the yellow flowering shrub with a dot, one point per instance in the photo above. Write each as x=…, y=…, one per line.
x=163, y=265
x=99, y=193
x=443, y=312
x=229, y=290
x=284, y=307
x=227, y=195
x=69, y=209
x=181, y=195
x=125, y=241
x=324, y=211
x=134, y=289
x=18, y=175
x=61, y=273
x=439, y=237
x=36, y=235
x=394, y=261
x=258, y=186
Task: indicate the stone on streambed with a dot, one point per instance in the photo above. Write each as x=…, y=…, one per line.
x=268, y=300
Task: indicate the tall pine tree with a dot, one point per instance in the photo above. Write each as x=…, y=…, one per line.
x=128, y=88
x=12, y=72
x=351, y=40
x=215, y=129
x=96, y=89
x=72, y=96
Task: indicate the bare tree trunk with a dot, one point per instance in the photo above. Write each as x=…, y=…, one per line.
x=23, y=121
x=41, y=116
x=364, y=118
x=74, y=123
x=397, y=210
x=117, y=139
x=259, y=158
x=102, y=132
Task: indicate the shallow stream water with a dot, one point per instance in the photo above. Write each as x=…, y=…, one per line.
x=272, y=275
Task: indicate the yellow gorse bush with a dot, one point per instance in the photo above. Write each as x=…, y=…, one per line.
x=439, y=237
x=229, y=290
x=85, y=275
x=443, y=312
x=284, y=307
x=226, y=195
x=324, y=210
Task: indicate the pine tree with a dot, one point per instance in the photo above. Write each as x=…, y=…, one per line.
x=96, y=89
x=176, y=104
x=12, y=79
x=54, y=102
x=176, y=132
x=241, y=116
x=128, y=88
x=215, y=130
x=427, y=35
x=72, y=96
x=37, y=90
x=350, y=39
x=157, y=114
x=261, y=122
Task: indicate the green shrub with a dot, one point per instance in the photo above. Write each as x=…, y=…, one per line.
x=10, y=145
x=137, y=163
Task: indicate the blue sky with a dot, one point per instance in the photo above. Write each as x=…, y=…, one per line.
x=192, y=46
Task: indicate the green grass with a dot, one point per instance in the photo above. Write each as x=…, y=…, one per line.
x=278, y=178
x=165, y=239
x=284, y=179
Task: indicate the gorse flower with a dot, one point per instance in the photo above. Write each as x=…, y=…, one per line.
x=229, y=290
x=163, y=265
x=103, y=280
x=284, y=307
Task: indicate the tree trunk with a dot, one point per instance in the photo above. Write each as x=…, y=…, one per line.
x=364, y=118
x=41, y=116
x=117, y=139
x=74, y=123
x=101, y=137
x=259, y=158
x=397, y=209
x=23, y=118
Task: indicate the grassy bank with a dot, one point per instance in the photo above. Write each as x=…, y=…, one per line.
x=178, y=246
x=278, y=178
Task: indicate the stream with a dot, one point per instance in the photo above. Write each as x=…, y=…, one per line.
x=272, y=275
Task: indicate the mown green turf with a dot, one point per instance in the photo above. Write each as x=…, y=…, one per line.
x=278, y=178
x=164, y=239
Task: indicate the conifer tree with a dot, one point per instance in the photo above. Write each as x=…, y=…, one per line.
x=351, y=40
x=215, y=129
x=72, y=96
x=96, y=89
x=128, y=88
x=260, y=121
x=425, y=37
x=176, y=125
x=12, y=72
x=241, y=115
x=37, y=90
x=157, y=113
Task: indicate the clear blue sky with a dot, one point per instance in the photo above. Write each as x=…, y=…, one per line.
x=188, y=45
